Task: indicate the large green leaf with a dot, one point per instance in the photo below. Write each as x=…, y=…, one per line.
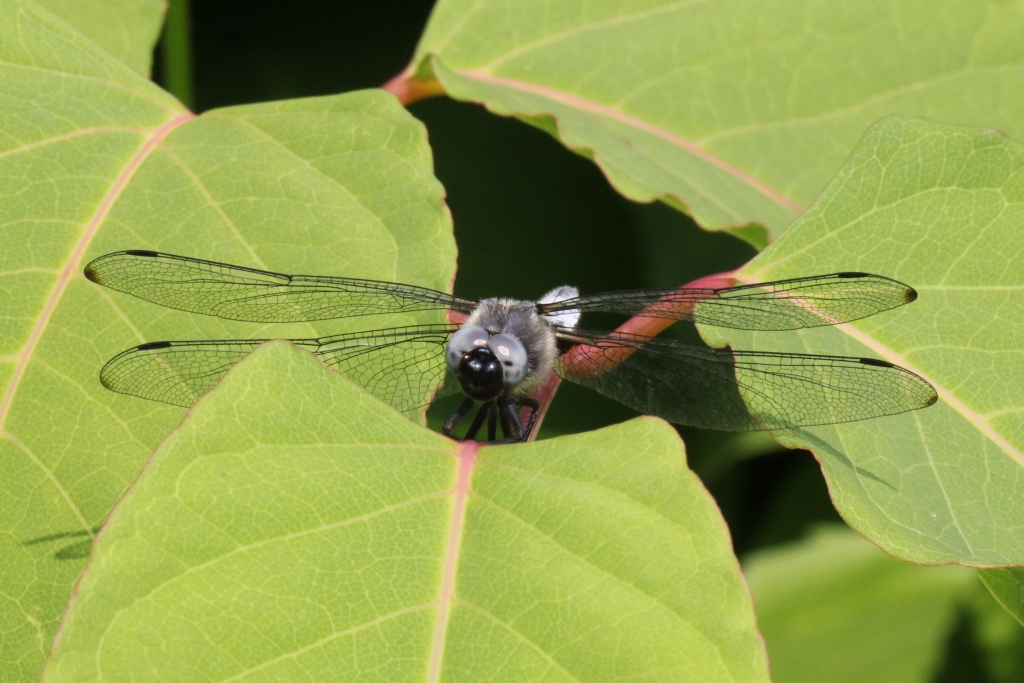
x=127, y=29
x=835, y=608
x=740, y=111
x=94, y=158
x=295, y=528
x=941, y=208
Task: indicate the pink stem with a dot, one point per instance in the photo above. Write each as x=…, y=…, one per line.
x=409, y=90
x=638, y=324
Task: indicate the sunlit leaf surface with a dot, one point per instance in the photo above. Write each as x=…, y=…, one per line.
x=127, y=29
x=294, y=528
x=740, y=111
x=941, y=208
x=93, y=159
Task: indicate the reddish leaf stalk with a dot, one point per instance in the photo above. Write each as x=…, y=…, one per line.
x=544, y=393
x=409, y=90
x=582, y=358
x=585, y=359
x=456, y=317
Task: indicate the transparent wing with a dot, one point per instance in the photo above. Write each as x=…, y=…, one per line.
x=780, y=305
x=403, y=366
x=738, y=390
x=239, y=293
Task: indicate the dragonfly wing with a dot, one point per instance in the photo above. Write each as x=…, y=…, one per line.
x=239, y=293
x=781, y=305
x=176, y=372
x=402, y=366
x=738, y=390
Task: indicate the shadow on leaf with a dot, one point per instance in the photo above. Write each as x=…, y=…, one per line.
x=77, y=550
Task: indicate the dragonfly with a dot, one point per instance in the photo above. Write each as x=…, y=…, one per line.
x=506, y=348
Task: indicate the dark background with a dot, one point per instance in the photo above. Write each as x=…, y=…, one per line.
x=529, y=215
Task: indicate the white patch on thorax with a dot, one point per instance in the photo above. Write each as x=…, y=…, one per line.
x=569, y=318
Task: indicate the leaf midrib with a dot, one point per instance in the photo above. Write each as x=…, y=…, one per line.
x=467, y=458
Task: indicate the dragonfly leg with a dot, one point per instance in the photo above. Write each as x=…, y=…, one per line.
x=477, y=423
x=534, y=406
x=492, y=422
x=510, y=425
x=456, y=418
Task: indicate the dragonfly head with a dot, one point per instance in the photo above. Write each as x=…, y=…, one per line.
x=485, y=363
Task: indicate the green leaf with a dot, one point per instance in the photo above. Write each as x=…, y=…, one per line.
x=995, y=634
x=93, y=159
x=835, y=608
x=938, y=207
x=738, y=112
x=127, y=29
x=295, y=528
x=1007, y=587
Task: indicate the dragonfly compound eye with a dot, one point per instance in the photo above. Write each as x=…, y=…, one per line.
x=462, y=342
x=511, y=353
x=480, y=374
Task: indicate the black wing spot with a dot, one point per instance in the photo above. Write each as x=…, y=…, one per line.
x=876, y=362
x=911, y=295
x=90, y=274
x=142, y=252
x=153, y=345
x=851, y=273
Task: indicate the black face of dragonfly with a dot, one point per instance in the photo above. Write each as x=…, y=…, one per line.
x=507, y=347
